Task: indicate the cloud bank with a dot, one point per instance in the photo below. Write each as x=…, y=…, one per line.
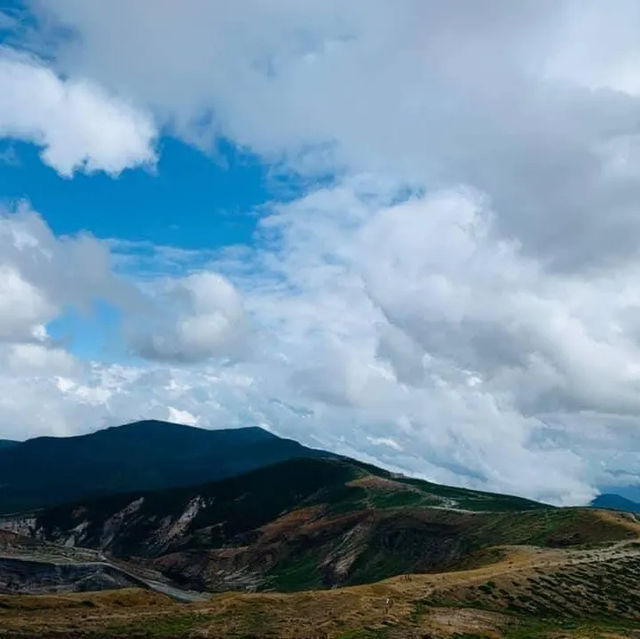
x=398, y=328
x=533, y=104
x=460, y=301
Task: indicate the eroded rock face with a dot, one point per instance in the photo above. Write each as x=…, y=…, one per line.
x=113, y=524
x=172, y=529
x=19, y=524
x=301, y=524
x=345, y=548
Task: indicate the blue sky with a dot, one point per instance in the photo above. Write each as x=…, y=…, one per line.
x=329, y=220
x=189, y=199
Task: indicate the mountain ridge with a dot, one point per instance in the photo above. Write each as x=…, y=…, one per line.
x=142, y=455
x=615, y=502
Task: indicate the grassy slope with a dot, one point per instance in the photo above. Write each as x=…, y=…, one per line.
x=461, y=498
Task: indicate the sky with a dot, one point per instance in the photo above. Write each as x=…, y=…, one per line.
x=407, y=232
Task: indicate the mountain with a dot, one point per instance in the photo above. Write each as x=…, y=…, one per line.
x=144, y=455
x=311, y=523
x=616, y=502
x=7, y=443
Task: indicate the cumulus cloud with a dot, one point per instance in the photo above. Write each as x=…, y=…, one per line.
x=46, y=389
x=412, y=321
x=25, y=359
x=79, y=126
x=23, y=307
x=461, y=303
x=200, y=316
x=42, y=274
x=182, y=417
x=531, y=103
x=395, y=328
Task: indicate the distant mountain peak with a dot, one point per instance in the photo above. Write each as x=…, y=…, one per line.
x=615, y=502
x=146, y=425
x=141, y=455
x=149, y=424
x=163, y=426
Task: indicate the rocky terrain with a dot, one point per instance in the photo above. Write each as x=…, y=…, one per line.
x=31, y=566
x=308, y=523
x=530, y=592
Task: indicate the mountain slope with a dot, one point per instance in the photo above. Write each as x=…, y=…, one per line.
x=546, y=593
x=310, y=523
x=144, y=455
x=7, y=443
x=616, y=502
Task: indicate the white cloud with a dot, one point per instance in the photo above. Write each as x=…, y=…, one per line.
x=23, y=307
x=596, y=48
x=412, y=322
x=181, y=417
x=401, y=330
x=199, y=316
x=28, y=295
x=42, y=274
x=385, y=441
x=484, y=330
x=516, y=100
x=79, y=126
x=26, y=359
